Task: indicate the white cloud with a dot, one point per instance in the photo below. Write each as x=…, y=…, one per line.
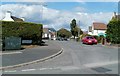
x=23, y=0
x=80, y=9
x=54, y=18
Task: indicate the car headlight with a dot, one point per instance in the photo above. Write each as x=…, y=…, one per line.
x=89, y=41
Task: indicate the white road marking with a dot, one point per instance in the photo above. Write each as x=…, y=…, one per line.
x=28, y=70
x=10, y=53
x=11, y=71
x=42, y=68
x=48, y=68
x=69, y=68
x=100, y=64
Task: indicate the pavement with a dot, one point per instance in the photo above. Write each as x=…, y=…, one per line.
x=29, y=56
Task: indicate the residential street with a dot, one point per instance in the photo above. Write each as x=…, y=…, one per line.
x=76, y=58
x=21, y=57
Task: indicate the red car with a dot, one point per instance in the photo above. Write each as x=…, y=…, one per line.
x=89, y=40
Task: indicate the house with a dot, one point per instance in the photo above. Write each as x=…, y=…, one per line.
x=49, y=33
x=9, y=17
x=90, y=30
x=97, y=29
x=85, y=32
x=115, y=16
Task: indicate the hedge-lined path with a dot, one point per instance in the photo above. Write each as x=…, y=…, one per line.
x=28, y=56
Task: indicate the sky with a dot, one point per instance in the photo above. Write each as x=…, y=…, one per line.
x=59, y=14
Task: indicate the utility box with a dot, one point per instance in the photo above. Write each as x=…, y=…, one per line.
x=12, y=43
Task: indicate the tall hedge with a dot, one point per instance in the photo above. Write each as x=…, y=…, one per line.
x=113, y=29
x=24, y=30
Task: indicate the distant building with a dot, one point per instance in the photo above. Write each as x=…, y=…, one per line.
x=116, y=16
x=49, y=33
x=97, y=28
x=85, y=32
x=90, y=30
x=9, y=17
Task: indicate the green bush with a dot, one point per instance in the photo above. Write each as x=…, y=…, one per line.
x=25, y=30
x=99, y=38
x=112, y=32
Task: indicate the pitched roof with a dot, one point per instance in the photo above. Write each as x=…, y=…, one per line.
x=16, y=19
x=118, y=16
x=99, y=26
x=47, y=30
x=52, y=29
x=115, y=15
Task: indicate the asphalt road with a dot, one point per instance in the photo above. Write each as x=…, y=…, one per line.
x=28, y=55
x=77, y=58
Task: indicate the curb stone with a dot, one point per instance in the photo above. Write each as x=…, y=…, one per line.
x=36, y=61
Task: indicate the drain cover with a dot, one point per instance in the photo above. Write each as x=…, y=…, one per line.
x=101, y=69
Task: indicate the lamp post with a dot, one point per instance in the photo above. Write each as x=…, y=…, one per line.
x=42, y=11
x=79, y=28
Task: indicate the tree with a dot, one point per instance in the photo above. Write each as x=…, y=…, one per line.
x=64, y=33
x=112, y=32
x=74, y=28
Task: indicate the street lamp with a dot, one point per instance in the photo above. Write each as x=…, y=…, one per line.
x=42, y=5
x=79, y=28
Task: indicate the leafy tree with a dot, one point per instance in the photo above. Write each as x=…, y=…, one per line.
x=112, y=32
x=64, y=33
x=74, y=28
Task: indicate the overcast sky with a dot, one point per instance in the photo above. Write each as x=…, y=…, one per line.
x=59, y=14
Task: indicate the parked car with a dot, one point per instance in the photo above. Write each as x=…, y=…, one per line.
x=89, y=40
x=62, y=39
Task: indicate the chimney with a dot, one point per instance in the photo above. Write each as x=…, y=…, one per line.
x=8, y=16
x=114, y=14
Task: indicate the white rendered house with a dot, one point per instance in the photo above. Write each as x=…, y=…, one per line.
x=49, y=33
x=9, y=17
x=97, y=28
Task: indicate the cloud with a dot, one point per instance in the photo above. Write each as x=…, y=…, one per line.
x=80, y=9
x=60, y=1
x=54, y=18
x=23, y=0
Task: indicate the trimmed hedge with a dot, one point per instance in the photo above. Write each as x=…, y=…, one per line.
x=25, y=30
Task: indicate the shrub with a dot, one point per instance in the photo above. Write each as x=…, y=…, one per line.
x=113, y=28
x=25, y=30
x=99, y=38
